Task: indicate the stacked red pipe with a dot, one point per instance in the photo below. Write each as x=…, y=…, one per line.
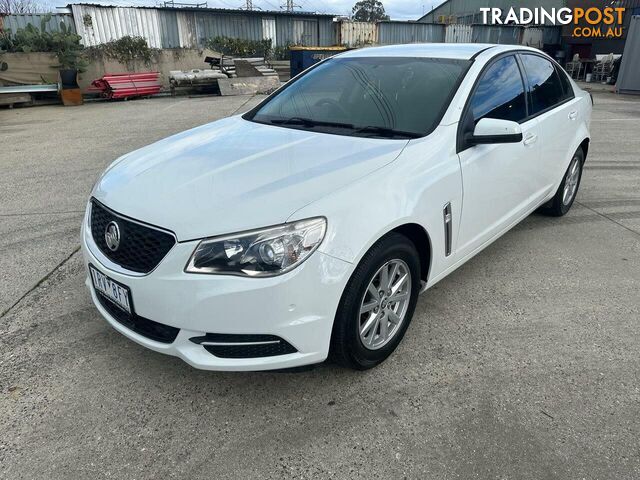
x=128, y=85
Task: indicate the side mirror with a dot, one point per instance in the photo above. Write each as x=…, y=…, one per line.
x=492, y=130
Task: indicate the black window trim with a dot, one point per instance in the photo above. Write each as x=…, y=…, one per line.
x=460, y=142
x=438, y=119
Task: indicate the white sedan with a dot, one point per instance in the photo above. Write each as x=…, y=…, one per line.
x=307, y=227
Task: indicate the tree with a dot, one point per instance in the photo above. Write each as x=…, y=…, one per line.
x=8, y=7
x=369, y=11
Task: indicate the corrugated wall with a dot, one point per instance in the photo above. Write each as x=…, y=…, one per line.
x=354, y=34
x=468, y=11
x=173, y=28
x=390, y=33
x=12, y=23
x=98, y=25
x=169, y=31
x=505, y=35
x=552, y=35
x=169, y=28
x=532, y=37
x=248, y=27
x=458, y=33
x=326, y=32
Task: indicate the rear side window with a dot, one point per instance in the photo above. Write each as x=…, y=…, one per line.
x=544, y=83
x=500, y=92
x=567, y=89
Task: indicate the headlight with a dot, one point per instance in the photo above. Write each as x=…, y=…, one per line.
x=259, y=253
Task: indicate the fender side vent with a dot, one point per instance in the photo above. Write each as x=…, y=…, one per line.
x=448, y=228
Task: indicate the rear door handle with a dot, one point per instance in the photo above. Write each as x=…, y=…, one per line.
x=530, y=139
x=573, y=115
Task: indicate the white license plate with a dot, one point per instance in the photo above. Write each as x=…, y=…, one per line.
x=117, y=293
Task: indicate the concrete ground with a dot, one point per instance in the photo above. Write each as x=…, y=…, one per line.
x=523, y=364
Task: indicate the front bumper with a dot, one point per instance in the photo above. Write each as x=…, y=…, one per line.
x=298, y=306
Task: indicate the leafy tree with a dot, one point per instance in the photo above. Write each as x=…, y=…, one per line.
x=369, y=11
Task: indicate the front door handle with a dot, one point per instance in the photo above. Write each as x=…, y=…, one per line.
x=573, y=115
x=530, y=139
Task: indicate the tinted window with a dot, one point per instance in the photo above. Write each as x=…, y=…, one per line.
x=544, y=84
x=567, y=89
x=346, y=95
x=500, y=92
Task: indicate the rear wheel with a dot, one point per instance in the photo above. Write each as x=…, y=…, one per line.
x=377, y=304
x=560, y=204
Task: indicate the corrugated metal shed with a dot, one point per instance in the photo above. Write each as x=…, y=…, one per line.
x=505, y=35
x=551, y=35
x=12, y=23
x=97, y=24
x=468, y=11
x=629, y=76
x=458, y=33
x=233, y=25
x=390, y=33
x=532, y=37
x=355, y=34
x=165, y=27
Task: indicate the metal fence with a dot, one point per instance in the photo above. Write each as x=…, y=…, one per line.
x=12, y=23
x=354, y=34
x=458, y=33
x=190, y=28
x=390, y=33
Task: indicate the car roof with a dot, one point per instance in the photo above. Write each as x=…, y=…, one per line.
x=459, y=51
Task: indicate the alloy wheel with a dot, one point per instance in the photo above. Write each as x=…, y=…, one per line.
x=571, y=183
x=384, y=304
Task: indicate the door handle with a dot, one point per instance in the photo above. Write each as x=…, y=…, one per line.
x=573, y=115
x=530, y=139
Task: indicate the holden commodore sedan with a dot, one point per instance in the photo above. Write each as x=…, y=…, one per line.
x=306, y=228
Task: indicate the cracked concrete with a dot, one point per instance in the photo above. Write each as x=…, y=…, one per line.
x=522, y=364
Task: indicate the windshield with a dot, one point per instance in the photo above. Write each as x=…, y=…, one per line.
x=388, y=97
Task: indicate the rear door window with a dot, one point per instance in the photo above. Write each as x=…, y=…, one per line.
x=500, y=92
x=567, y=89
x=544, y=83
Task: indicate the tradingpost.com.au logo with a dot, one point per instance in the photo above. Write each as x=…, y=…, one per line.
x=590, y=22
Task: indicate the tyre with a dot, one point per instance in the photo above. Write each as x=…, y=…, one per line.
x=560, y=204
x=377, y=304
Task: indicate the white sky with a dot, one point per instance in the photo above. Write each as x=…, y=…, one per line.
x=397, y=9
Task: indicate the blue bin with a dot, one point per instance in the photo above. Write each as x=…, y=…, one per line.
x=304, y=57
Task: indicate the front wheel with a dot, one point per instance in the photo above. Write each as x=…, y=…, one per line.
x=560, y=204
x=377, y=304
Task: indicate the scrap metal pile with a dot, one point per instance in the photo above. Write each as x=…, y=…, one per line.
x=255, y=76
x=127, y=85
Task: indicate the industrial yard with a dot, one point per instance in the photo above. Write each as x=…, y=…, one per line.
x=521, y=364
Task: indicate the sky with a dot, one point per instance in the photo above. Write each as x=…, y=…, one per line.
x=396, y=9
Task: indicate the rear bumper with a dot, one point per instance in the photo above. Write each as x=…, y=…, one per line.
x=298, y=307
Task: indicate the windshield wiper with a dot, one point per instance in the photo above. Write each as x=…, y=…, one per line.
x=378, y=131
x=310, y=122
x=385, y=132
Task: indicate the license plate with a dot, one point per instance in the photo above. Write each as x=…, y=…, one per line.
x=112, y=290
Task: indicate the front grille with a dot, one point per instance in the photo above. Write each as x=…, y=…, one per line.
x=143, y=326
x=141, y=248
x=244, y=346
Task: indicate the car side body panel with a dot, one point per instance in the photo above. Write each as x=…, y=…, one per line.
x=418, y=184
x=432, y=178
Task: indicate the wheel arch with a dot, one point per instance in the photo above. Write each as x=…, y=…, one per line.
x=421, y=240
x=584, y=145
